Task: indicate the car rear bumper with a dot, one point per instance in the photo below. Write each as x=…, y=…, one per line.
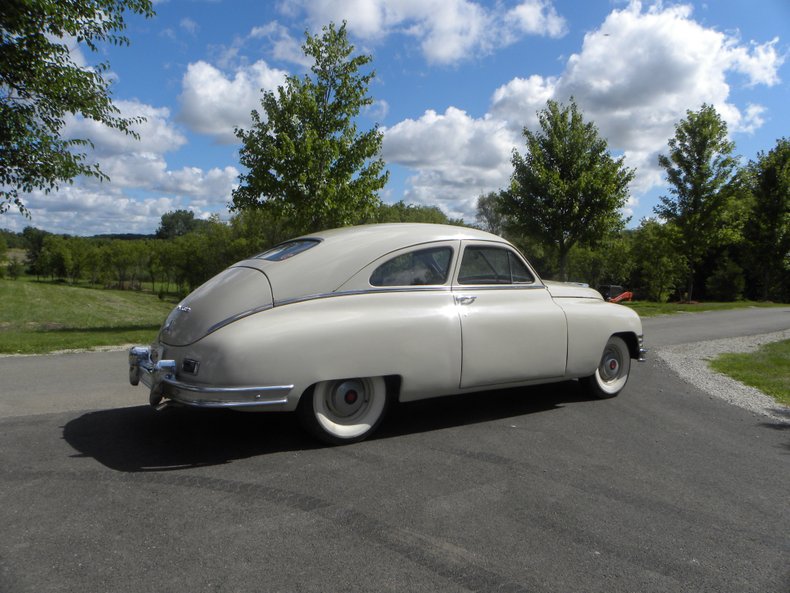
x=161, y=378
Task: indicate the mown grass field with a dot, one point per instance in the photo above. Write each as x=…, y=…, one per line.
x=38, y=317
x=650, y=309
x=767, y=369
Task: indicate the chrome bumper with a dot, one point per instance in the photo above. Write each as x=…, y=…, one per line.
x=160, y=377
x=642, y=349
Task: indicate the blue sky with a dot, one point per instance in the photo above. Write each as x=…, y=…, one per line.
x=457, y=80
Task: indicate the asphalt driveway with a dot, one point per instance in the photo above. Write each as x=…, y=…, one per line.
x=661, y=489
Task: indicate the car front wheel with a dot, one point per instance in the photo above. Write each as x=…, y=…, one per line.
x=612, y=373
x=344, y=410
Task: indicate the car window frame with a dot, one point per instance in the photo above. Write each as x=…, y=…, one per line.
x=359, y=281
x=466, y=244
x=411, y=251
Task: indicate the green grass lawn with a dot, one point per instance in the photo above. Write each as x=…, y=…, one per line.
x=767, y=369
x=650, y=309
x=37, y=317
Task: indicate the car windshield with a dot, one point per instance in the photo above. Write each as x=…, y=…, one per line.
x=288, y=249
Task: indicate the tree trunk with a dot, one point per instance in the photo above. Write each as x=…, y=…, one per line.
x=766, y=282
x=563, y=257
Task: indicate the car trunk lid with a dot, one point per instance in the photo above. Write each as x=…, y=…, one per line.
x=234, y=293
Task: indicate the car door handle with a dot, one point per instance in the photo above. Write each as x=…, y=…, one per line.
x=465, y=299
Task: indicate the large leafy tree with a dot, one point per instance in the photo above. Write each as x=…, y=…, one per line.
x=768, y=226
x=178, y=222
x=700, y=170
x=566, y=189
x=489, y=216
x=659, y=268
x=305, y=159
x=40, y=84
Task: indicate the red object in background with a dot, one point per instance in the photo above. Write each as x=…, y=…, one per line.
x=623, y=296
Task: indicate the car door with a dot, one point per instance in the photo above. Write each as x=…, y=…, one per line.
x=511, y=329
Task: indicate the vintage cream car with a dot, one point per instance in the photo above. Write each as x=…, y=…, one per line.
x=337, y=324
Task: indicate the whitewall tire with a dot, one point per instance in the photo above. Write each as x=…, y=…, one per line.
x=344, y=410
x=612, y=373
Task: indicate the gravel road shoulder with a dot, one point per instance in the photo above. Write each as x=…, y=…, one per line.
x=690, y=361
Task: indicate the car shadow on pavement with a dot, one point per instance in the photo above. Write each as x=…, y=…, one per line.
x=472, y=408
x=140, y=439
x=783, y=424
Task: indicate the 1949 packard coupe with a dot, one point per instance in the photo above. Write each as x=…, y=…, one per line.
x=337, y=324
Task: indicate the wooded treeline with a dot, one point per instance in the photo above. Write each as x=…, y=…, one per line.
x=184, y=253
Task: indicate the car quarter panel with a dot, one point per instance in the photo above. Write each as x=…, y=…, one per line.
x=414, y=334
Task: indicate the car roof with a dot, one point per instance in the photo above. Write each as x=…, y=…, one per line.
x=342, y=252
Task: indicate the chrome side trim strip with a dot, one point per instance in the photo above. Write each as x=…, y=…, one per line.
x=470, y=287
x=221, y=404
x=240, y=391
x=397, y=289
x=236, y=317
x=401, y=289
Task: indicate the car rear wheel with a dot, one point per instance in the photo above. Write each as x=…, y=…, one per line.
x=612, y=373
x=344, y=410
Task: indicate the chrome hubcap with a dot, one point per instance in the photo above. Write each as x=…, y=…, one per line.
x=347, y=398
x=610, y=365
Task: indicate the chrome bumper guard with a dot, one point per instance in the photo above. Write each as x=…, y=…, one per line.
x=160, y=377
x=642, y=349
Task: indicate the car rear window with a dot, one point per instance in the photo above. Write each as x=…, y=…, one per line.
x=288, y=249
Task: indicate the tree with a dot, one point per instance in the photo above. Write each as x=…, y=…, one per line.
x=659, y=269
x=40, y=84
x=34, y=244
x=56, y=257
x=255, y=231
x=567, y=189
x=305, y=159
x=489, y=214
x=700, y=170
x=402, y=212
x=120, y=257
x=768, y=226
x=15, y=268
x=610, y=262
x=176, y=223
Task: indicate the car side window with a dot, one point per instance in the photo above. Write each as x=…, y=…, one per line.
x=415, y=268
x=492, y=265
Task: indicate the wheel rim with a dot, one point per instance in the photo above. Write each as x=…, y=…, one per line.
x=611, y=365
x=612, y=372
x=347, y=399
x=348, y=409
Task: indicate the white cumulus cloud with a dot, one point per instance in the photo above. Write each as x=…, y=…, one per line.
x=141, y=186
x=456, y=157
x=157, y=133
x=215, y=103
x=448, y=30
